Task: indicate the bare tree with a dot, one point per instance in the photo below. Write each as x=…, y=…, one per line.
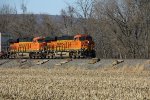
x=69, y=20
x=124, y=23
x=23, y=7
x=84, y=11
x=48, y=27
x=6, y=12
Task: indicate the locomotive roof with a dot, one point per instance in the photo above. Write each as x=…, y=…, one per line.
x=65, y=37
x=52, y=38
x=81, y=35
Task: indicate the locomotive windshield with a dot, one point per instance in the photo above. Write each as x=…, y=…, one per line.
x=82, y=38
x=89, y=38
x=41, y=40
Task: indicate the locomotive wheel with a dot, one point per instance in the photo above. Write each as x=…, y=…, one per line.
x=70, y=54
x=43, y=56
x=84, y=55
x=52, y=57
x=74, y=57
x=38, y=57
x=61, y=56
x=34, y=57
x=10, y=55
x=79, y=57
x=30, y=56
x=47, y=57
x=14, y=56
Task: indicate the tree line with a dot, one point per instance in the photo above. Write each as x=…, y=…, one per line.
x=120, y=28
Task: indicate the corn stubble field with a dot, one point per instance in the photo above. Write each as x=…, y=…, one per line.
x=71, y=83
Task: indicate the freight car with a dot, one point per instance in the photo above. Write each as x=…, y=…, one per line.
x=4, y=44
x=78, y=46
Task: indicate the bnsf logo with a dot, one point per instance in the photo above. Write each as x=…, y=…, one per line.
x=25, y=45
x=60, y=43
x=66, y=44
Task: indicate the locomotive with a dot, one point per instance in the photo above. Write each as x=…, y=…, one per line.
x=77, y=46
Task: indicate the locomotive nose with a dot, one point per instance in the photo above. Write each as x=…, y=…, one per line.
x=44, y=43
x=88, y=43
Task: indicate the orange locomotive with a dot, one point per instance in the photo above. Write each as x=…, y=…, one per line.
x=80, y=45
x=31, y=46
x=77, y=46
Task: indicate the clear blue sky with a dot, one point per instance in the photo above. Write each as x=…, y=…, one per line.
x=52, y=7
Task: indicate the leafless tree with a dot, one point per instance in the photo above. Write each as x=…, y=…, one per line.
x=48, y=27
x=124, y=22
x=24, y=7
x=6, y=12
x=84, y=11
x=68, y=16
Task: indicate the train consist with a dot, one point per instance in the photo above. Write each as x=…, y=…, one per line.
x=78, y=46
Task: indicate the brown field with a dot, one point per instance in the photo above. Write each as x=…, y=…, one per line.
x=71, y=83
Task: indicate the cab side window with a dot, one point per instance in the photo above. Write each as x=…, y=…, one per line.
x=89, y=38
x=75, y=38
x=82, y=38
x=40, y=40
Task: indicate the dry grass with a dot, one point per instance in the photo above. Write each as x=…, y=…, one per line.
x=72, y=83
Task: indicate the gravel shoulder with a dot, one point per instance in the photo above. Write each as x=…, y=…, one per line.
x=49, y=63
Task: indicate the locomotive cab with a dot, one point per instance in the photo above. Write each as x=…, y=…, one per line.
x=86, y=44
x=40, y=42
x=39, y=39
x=86, y=41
